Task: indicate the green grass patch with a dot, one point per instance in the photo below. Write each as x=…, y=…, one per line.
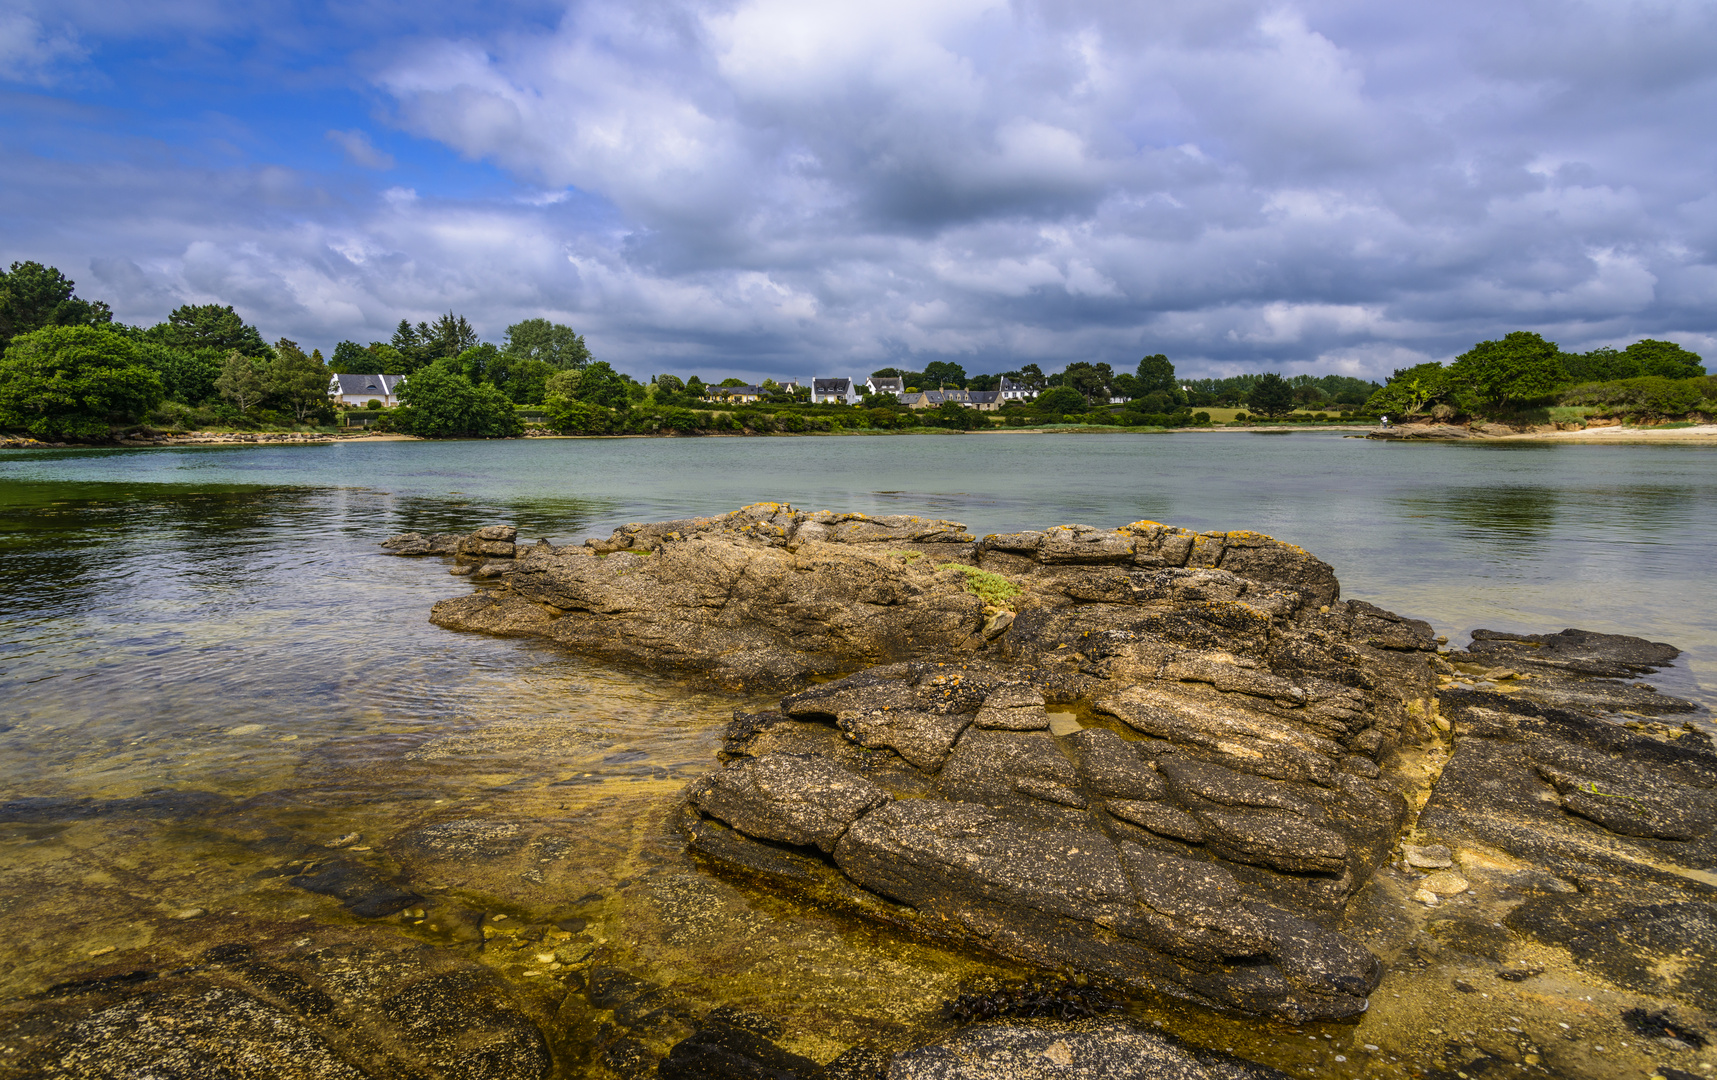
x=992, y=589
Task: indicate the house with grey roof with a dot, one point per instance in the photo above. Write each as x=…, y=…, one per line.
x=359, y=390
x=891, y=384
x=839, y=391
x=1016, y=391
x=982, y=400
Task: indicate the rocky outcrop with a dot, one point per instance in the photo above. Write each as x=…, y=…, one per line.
x=1563, y=789
x=769, y=596
x=1143, y=751
x=1162, y=756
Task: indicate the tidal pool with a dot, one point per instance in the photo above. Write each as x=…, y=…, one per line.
x=209, y=673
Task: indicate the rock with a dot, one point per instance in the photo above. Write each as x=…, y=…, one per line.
x=1445, y=883
x=1014, y=707
x=772, y=596
x=1426, y=897
x=1227, y=723
x=1543, y=779
x=791, y=798
x=726, y=1052
x=1430, y=857
x=1059, y=1051
x=361, y=890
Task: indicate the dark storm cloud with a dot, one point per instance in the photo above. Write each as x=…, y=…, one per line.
x=768, y=187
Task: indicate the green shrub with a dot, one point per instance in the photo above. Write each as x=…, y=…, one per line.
x=992, y=589
x=1651, y=394
x=570, y=416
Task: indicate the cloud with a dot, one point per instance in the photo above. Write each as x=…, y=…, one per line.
x=759, y=186
x=360, y=151
x=30, y=53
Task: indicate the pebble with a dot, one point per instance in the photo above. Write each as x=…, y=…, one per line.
x=344, y=841
x=244, y=729
x=190, y=913
x=1430, y=857
x=1445, y=883
x=1426, y=897
x=103, y=951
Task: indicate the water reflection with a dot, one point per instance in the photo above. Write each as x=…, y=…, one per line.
x=1499, y=518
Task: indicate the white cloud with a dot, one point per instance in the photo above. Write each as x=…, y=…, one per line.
x=360, y=150
x=1248, y=184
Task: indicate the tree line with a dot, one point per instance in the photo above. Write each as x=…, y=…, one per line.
x=67, y=370
x=1522, y=369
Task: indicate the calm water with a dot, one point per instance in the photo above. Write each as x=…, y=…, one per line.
x=221, y=620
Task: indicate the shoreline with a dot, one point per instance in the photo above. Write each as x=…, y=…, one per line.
x=1610, y=435
x=1700, y=435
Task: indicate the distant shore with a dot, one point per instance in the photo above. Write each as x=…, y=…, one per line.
x=1699, y=435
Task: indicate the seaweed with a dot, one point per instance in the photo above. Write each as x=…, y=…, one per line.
x=1660, y=1025
x=1066, y=998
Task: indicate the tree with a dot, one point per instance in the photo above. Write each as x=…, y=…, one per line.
x=449, y=335
x=350, y=358
x=209, y=326
x=600, y=384
x=553, y=344
x=1410, y=390
x=522, y=379
x=437, y=403
x=1664, y=359
x=941, y=373
x=33, y=296
x=187, y=376
x=298, y=382
x=984, y=382
x=406, y=343
x=1032, y=376
x=1091, y=380
x=1271, y=395
x=240, y=381
x=1156, y=373
x=1520, y=367
x=73, y=381
x=1603, y=364
x=1062, y=399
x=476, y=363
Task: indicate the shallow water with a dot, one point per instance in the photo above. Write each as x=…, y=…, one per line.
x=221, y=621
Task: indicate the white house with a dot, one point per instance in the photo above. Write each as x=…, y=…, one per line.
x=833, y=392
x=360, y=390
x=1015, y=391
x=892, y=384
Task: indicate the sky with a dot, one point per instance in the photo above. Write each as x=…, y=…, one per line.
x=775, y=188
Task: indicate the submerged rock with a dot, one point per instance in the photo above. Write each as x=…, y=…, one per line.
x=1086, y=1051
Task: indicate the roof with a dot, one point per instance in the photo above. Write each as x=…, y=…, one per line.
x=366, y=384
x=729, y=390
x=887, y=383
x=1009, y=384
x=831, y=386
x=983, y=397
